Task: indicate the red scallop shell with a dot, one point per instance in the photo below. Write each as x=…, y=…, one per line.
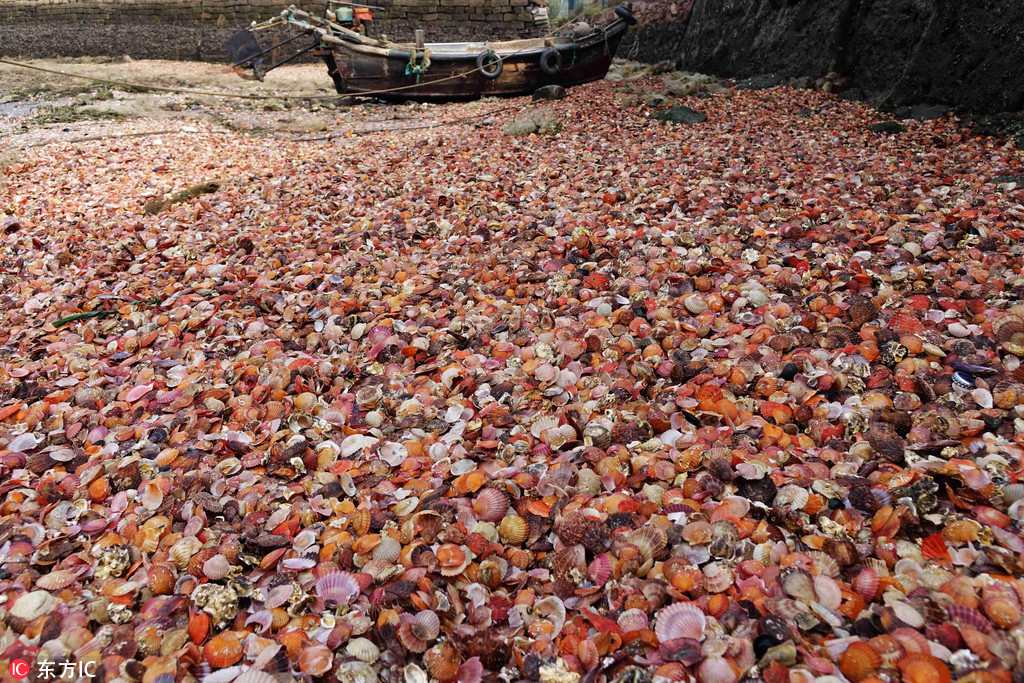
x=934, y=548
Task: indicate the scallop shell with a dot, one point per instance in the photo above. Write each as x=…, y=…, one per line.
x=315, y=660
x=57, y=579
x=360, y=522
x=32, y=605
x=426, y=625
x=911, y=640
x=600, y=569
x=442, y=662
x=337, y=587
x=490, y=505
x=824, y=563
x=967, y=616
x=797, y=584
x=680, y=620
x=183, y=550
x=650, y=540
x=1003, y=610
x=573, y=528
x=363, y=649
x=387, y=550
x=633, y=620
x=919, y=667
x=828, y=592
x=513, y=529
x=543, y=424
x=1009, y=328
x=408, y=637
x=859, y=661
x=792, y=497
x=224, y=649
x=888, y=647
x=716, y=669
x=866, y=583
x=718, y=577
x=552, y=609
x=452, y=559
x=569, y=563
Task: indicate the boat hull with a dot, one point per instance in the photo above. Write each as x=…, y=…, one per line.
x=356, y=69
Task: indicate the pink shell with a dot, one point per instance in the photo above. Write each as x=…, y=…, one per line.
x=681, y=620
x=471, y=671
x=337, y=587
x=968, y=616
x=57, y=579
x=633, y=620
x=490, y=505
x=264, y=618
x=911, y=640
x=600, y=569
x=426, y=625
x=138, y=392
x=866, y=583
x=278, y=596
x=828, y=592
x=716, y=670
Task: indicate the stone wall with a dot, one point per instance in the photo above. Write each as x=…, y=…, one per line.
x=964, y=53
x=197, y=29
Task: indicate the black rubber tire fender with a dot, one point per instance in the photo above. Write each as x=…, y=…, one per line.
x=488, y=63
x=551, y=61
x=626, y=14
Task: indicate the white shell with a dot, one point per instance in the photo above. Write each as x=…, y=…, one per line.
x=32, y=605
x=353, y=443
x=363, y=649
x=393, y=453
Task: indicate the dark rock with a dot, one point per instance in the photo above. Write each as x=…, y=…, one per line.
x=549, y=92
x=1005, y=179
x=655, y=99
x=789, y=371
x=681, y=115
x=926, y=112
x=887, y=127
x=964, y=54
x=761, y=82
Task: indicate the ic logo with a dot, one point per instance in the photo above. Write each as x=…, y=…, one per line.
x=19, y=668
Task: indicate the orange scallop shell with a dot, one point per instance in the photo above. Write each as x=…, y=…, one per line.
x=198, y=627
x=360, y=521
x=1002, y=610
x=514, y=529
x=859, y=661
x=442, y=662
x=921, y=668
x=961, y=531
x=224, y=649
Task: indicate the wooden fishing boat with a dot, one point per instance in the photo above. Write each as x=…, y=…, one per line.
x=361, y=65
